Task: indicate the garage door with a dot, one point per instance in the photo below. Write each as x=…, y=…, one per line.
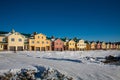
x=20, y=48
x=42, y=48
x=37, y=48
x=12, y=48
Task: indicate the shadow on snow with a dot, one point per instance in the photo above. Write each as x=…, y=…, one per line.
x=62, y=59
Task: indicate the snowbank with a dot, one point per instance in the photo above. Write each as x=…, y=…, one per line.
x=80, y=65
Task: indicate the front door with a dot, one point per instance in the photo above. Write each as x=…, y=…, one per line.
x=42, y=48
x=5, y=47
x=32, y=48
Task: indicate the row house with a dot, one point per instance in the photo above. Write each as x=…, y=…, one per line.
x=88, y=46
x=103, y=45
x=15, y=41
x=66, y=44
x=39, y=42
x=71, y=45
x=12, y=41
x=111, y=46
x=107, y=46
x=81, y=45
x=98, y=45
x=57, y=45
x=93, y=45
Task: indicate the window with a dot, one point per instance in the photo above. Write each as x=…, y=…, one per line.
x=56, y=43
x=38, y=36
x=3, y=40
x=60, y=43
x=12, y=39
x=42, y=42
x=32, y=42
x=38, y=42
x=42, y=37
x=46, y=42
x=70, y=43
x=26, y=40
x=20, y=40
x=1, y=46
x=73, y=43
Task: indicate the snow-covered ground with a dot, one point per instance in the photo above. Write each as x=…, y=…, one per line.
x=81, y=65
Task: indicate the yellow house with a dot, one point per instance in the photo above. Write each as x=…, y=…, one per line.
x=81, y=45
x=72, y=45
x=39, y=42
x=93, y=46
x=108, y=46
x=15, y=41
x=117, y=46
x=103, y=45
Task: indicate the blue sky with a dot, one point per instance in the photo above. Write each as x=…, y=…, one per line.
x=86, y=19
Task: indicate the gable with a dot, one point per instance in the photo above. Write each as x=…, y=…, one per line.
x=58, y=40
x=71, y=41
x=81, y=41
x=39, y=36
x=16, y=34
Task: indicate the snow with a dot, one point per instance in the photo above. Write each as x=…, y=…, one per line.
x=81, y=65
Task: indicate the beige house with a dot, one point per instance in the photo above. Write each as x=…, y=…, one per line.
x=15, y=41
x=111, y=46
x=103, y=46
x=81, y=45
x=93, y=45
x=39, y=42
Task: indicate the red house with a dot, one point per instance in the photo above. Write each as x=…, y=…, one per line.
x=58, y=45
